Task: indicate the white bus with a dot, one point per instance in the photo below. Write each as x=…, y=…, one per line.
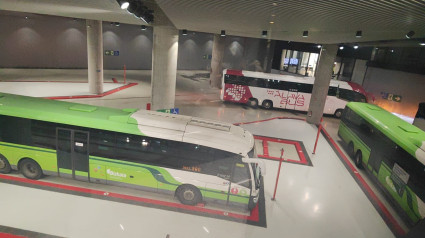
x=285, y=91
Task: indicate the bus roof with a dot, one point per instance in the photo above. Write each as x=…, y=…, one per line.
x=209, y=133
x=407, y=136
x=292, y=78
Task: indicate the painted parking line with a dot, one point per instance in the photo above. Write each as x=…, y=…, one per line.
x=257, y=216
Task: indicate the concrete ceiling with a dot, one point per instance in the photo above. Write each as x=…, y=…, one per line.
x=327, y=21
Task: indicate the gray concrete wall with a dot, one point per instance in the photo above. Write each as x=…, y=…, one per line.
x=43, y=41
x=410, y=87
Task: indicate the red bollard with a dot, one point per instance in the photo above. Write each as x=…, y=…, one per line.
x=148, y=106
x=278, y=173
x=317, y=137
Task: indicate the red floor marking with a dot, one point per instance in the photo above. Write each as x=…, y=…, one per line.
x=253, y=217
x=265, y=148
x=95, y=96
x=302, y=160
x=38, y=81
x=5, y=235
x=372, y=195
x=273, y=118
x=114, y=80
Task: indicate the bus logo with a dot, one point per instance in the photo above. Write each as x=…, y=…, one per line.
x=113, y=173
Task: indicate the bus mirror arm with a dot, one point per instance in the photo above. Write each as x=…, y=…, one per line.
x=258, y=161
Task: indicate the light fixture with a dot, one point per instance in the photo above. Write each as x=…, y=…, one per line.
x=272, y=22
x=305, y=33
x=117, y=24
x=319, y=46
x=184, y=32
x=392, y=51
x=422, y=43
x=223, y=33
x=140, y=11
x=355, y=47
x=123, y=4
x=410, y=34
x=358, y=34
x=26, y=17
x=341, y=47
x=143, y=27
x=264, y=34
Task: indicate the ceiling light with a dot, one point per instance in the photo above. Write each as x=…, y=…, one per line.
x=117, y=24
x=123, y=4
x=305, y=33
x=143, y=27
x=422, y=43
x=341, y=47
x=410, y=34
x=223, y=33
x=358, y=34
x=319, y=46
x=184, y=32
x=26, y=17
x=392, y=51
x=272, y=22
x=274, y=4
x=264, y=34
x=356, y=47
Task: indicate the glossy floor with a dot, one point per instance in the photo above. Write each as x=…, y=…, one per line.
x=322, y=200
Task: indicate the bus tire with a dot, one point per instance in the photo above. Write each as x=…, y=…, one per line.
x=351, y=149
x=358, y=159
x=5, y=167
x=188, y=194
x=253, y=102
x=30, y=169
x=267, y=104
x=338, y=113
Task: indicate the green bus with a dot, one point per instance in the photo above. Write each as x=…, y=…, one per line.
x=392, y=150
x=196, y=160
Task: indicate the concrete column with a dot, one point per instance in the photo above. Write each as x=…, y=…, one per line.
x=95, y=56
x=217, y=61
x=164, y=66
x=321, y=84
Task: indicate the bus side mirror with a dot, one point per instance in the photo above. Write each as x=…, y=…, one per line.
x=258, y=161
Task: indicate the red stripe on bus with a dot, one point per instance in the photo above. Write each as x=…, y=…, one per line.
x=253, y=217
x=391, y=221
x=95, y=96
x=234, y=72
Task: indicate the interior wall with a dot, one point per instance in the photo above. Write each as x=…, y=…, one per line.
x=411, y=88
x=43, y=41
x=359, y=71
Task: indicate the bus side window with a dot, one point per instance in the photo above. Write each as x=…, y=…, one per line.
x=241, y=174
x=305, y=87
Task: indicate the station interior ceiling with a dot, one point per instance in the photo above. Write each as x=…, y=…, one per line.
x=327, y=22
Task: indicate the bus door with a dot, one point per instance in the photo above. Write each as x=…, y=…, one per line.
x=72, y=154
x=292, y=96
x=240, y=184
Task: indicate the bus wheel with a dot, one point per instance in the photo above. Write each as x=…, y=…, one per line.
x=30, y=169
x=338, y=113
x=267, y=104
x=358, y=159
x=253, y=102
x=188, y=194
x=4, y=165
x=351, y=149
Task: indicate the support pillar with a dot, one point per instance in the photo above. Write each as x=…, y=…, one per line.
x=164, y=66
x=321, y=83
x=95, y=56
x=217, y=61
